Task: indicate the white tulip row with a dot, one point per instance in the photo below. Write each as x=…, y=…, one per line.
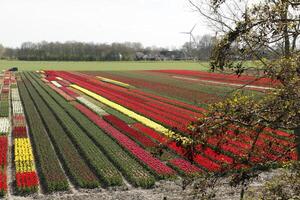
x=91, y=106
x=4, y=125
x=17, y=107
x=15, y=94
x=56, y=84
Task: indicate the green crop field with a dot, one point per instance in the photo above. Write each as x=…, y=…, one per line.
x=105, y=66
x=102, y=66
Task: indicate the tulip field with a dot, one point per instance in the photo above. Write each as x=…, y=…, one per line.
x=68, y=130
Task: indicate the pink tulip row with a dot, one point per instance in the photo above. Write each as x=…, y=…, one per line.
x=124, y=128
x=61, y=92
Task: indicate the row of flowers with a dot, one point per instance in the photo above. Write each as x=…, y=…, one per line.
x=18, y=117
x=222, y=77
x=4, y=130
x=17, y=107
x=15, y=94
x=26, y=176
x=23, y=155
x=70, y=92
x=114, y=82
x=3, y=183
x=4, y=125
x=4, y=97
x=185, y=166
x=61, y=92
x=124, y=128
x=179, y=164
x=204, y=162
x=27, y=182
x=143, y=156
x=91, y=106
x=3, y=151
x=56, y=84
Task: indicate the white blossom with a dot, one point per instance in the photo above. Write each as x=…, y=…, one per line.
x=4, y=125
x=56, y=84
x=91, y=106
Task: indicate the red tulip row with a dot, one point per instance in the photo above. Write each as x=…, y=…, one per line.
x=222, y=77
x=199, y=159
x=27, y=182
x=277, y=149
x=172, y=102
x=3, y=151
x=124, y=128
x=185, y=166
x=19, y=126
x=143, y=156
x=19, y=132
x=3, y=183
x=231, y=146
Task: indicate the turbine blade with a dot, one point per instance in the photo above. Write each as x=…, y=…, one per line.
x=193, y=28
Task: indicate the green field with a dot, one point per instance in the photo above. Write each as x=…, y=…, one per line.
x=104, y=66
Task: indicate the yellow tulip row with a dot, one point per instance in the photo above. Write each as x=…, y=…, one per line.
x=23, y=155
x=139, y=118
x=114, y=82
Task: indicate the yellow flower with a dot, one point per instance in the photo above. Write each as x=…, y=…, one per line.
x=114, y=82
x=23, y=155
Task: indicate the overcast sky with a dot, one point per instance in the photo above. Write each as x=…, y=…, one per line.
x=151, y=22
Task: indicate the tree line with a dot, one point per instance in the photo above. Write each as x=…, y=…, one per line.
x=128, y=51
x=200, y=49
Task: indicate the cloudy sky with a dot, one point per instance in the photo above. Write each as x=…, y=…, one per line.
x=151, y=22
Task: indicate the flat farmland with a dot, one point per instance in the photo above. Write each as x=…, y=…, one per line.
x=86, y=133
x=107, y=66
